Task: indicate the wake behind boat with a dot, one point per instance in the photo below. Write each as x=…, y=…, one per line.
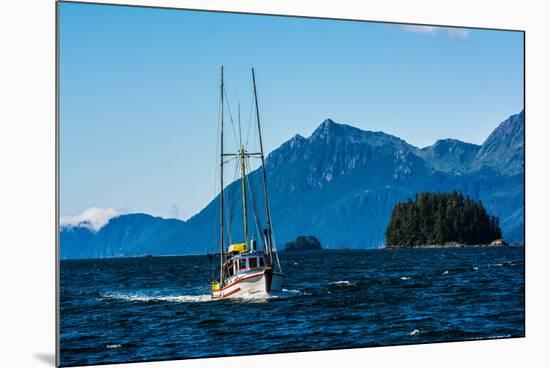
x=249, y=267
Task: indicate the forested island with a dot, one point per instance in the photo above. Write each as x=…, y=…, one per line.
x=304, y=243
x=441, y=219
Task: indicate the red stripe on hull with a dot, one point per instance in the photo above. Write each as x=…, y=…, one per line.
x=226, y=295
x=239, y=280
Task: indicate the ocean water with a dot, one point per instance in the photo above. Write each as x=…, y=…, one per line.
x=142, y=309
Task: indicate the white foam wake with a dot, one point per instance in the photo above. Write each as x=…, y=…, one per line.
x=262, y=296
x=285, y=293
x=137, y=297
x=140, y=297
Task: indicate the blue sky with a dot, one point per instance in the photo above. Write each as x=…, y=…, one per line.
x=140, y=92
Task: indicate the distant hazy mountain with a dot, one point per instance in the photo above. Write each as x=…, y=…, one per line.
x=339, y=185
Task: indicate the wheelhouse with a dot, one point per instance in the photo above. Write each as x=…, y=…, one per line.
x=248, y=262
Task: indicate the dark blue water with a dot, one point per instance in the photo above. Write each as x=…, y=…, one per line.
x=139, y=309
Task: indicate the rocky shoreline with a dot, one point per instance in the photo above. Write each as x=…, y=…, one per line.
x=496, y=243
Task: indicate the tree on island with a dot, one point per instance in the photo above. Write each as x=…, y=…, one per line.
x=440, y=218
x=304, y=243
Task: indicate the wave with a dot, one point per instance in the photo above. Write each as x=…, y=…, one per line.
x=261, y=296
x=505, y=264
x=342, y=283
x=138, y=297
x=404, y=278
x=285, y=293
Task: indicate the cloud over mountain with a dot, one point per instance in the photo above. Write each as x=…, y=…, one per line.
x=93, y=218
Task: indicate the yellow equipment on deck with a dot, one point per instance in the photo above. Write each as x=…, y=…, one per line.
x=237, y=248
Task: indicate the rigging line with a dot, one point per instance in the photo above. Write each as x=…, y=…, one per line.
x=229, y=160
x=229, y=203
x=253, y=197
x=230, y=115
x=228, y=217
x=274, y=243
x=239, y=115
x=250, y=117
x=275, y=246
x=235, y=176
x=231, y=207
x=255, y=141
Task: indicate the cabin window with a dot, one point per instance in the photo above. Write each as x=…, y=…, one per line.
x=231, y=270
x=242, y=264
x=261, y=261
x=253, y=262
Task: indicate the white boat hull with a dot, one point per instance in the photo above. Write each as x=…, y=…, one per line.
x=251, y=284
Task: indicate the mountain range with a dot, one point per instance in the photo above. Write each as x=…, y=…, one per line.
x=340, y=185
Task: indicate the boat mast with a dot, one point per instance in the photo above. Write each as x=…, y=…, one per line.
x=242, y=156
x=267, y=214
x=222, y=251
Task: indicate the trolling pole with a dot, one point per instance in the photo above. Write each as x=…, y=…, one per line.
x=222, y=250
x=267, y=214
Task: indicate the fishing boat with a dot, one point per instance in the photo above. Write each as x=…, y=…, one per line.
x=249, y=267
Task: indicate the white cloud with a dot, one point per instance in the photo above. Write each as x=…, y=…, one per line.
x=93, y=218
x=461, y=33
x=421, y=29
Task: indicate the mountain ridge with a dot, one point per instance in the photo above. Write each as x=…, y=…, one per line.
x=339, y=184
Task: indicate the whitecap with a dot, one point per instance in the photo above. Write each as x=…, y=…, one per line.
x=113, y=346
x=291, y=291
x=414, y=333
x=445, y=273
x=136, y=297
x=404, y=278
x=285, y=293
x=341, y=283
